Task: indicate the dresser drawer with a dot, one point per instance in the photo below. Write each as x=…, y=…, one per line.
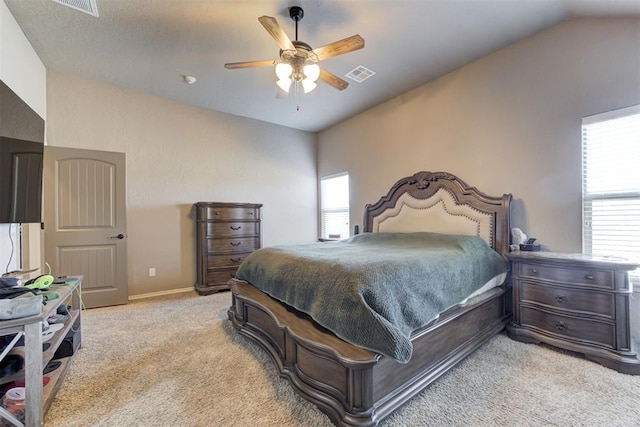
x=591, y=277
x=231, y=213
x=598, y=303
x=226, y=260
x=220, y=276
x=233, y=244
x=233, y=228
x=588, y=331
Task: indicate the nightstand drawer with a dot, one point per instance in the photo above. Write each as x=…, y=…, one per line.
x=585, y=330
x=590, y=277
x=598, y=303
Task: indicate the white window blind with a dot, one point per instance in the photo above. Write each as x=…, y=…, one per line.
x=611, y=184
x=334, y=206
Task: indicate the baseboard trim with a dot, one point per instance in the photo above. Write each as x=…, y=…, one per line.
x=160, y=293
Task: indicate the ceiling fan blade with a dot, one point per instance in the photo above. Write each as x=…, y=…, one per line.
x=340, y=47
x=249, y=64
x=276, y=31
x=332, y=80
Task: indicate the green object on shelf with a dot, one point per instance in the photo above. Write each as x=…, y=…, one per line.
x=40, y=282
x=50, y=295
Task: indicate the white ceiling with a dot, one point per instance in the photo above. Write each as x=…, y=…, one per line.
x=147, y=45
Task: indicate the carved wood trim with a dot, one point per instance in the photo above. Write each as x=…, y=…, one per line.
x=423, y=185
x=351, y=385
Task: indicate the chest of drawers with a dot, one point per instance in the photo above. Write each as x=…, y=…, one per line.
x=577, y=302
x=225, y=234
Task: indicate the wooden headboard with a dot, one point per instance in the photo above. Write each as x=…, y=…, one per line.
x=440, y=202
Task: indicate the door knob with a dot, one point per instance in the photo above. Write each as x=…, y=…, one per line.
x=119, y=236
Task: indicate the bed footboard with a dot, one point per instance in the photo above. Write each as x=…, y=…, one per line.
x=351, y=385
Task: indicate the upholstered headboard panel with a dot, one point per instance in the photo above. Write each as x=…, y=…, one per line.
x=438, y=214
x=440, y=202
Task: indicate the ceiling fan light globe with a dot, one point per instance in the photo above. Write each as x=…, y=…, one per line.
x=312, y=72
x=283, y=70
x=284, y=84
x=308, y=85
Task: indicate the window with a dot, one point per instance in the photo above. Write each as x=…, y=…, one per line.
x=611, y=184
x=334, y=206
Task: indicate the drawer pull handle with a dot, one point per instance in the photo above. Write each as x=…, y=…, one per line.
x=561, y=299
x=589, y=276
x=235, y=228
x=534, y=271
x=236, y=259
x=235, y=243
x=250, y=213
x=217, y=213
x=233, y=276
x=561, y=326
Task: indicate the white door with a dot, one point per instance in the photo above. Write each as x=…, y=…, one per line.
x=85, y=221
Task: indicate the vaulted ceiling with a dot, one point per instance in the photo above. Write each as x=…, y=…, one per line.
x=149, y=45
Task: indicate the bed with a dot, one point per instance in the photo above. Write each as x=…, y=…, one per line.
x=353, y=384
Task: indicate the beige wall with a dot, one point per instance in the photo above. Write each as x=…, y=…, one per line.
x=508, y=123
x=177, y=155
x=20, y=66
x=21, y=70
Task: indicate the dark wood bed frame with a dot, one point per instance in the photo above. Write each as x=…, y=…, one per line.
x=357, y=387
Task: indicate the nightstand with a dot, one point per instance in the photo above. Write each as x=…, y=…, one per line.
x=576, y=302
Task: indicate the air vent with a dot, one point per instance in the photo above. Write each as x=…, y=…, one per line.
x=360, y=74
x=86, y=6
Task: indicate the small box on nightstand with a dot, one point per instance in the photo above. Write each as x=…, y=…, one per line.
x=529, y=247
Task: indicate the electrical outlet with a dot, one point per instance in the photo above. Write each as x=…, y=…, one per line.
x=152, y=271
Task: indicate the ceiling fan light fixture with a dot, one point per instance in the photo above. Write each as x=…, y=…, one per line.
x=308, y=85
x=311, y=71
x=283, y=71
x=297, y=65
x=284, y=84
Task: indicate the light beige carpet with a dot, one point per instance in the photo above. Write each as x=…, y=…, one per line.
x=176, y=361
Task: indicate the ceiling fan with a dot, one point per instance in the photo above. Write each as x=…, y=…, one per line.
x=298, y=62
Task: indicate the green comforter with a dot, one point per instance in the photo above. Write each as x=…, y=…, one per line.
x=373, y=290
